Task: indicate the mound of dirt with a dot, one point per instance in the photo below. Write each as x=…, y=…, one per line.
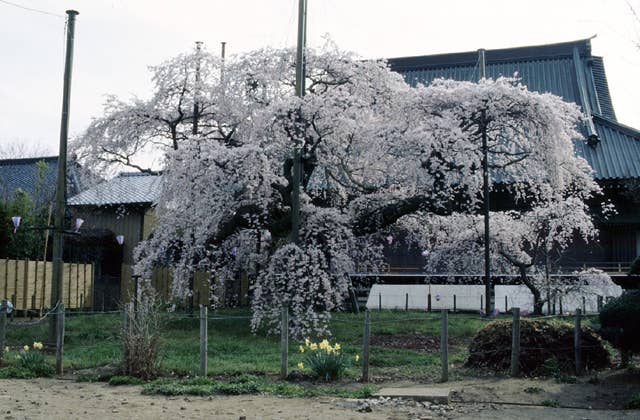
x=542, y=344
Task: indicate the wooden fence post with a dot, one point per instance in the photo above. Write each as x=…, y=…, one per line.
x=429, y=302
x=284, y=342
x=379, y=301
x=365, y=347
x=560, y=305
x=515, y=343
x=15, y=305
x=3, y=327
x=506, y=304
x=59, y=339
x=577, y=343
x=455, y=305
x=444, y=348
x=584, y=305
x=406, y=301
x=481, y=303
x=203, y=340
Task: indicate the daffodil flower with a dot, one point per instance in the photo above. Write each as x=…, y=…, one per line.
x=300, y=365
x=357, y=357
x=6, y=349
x=301, y=349
x=26, y=348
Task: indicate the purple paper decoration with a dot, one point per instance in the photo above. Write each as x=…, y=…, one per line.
x=390, y=239
x=79, y=223
x=120, y=239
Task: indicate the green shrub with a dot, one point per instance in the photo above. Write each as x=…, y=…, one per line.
x=327, y=362
x=33, y=360
x=635, y=266
x=551, y=403
x=619, y=321
x=634, y=403
x=125, y=380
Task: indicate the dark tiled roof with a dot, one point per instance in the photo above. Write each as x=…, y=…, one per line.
x=126, y=188
x=565, y=69
x=24, y=174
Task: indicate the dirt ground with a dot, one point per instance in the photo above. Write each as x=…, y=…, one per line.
x=477, y=399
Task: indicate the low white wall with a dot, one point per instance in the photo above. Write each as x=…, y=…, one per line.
x=471, y=297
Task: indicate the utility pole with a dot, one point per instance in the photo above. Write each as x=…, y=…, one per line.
x=300, y=79
x=196, y=92
x=488, y=286
x=58, y=224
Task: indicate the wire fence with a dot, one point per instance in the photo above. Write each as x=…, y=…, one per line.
x=415, y=344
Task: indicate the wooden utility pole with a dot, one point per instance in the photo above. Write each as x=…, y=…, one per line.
x=489, y=301
x=300, y=79
x=58, y=226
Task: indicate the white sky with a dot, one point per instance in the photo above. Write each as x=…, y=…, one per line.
x=117, y=39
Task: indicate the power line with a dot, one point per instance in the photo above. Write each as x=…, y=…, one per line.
x=19, y=6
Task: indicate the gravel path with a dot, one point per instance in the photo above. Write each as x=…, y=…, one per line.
x=64, y=399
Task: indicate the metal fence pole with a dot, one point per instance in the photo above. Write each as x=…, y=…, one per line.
x=284, y=342
x=455, y=305
x=444, y=347
x=203, y=340
x=515, y=343
x=577, y=343
x=406, y=301
x=365, y=347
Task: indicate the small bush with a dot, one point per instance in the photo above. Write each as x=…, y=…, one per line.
x=141, y=338
x=327, y=362
x=634, y=269
x=545, y=348
x=619, y=322
x=125, y=380
x=551, y=403
x=533, y=390
x=634, y=403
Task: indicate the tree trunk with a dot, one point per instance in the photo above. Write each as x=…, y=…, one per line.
x=538, y=303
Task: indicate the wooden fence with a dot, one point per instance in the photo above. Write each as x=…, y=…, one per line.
x=162, y=278
x=28, y=284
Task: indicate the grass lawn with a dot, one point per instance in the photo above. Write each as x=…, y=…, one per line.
x=93, y=340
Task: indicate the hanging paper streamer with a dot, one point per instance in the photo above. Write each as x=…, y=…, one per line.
x=16, y=223
x=234, y=251
x=120, y=239
x=390, y=239
x=79, y=223
x=424, y=253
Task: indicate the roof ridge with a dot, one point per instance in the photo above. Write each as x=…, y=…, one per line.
x=498, y=55
x=14, y=161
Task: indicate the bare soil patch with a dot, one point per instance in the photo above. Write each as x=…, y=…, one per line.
x=418, y=342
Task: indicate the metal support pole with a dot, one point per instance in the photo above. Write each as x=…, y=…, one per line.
x=300, y=87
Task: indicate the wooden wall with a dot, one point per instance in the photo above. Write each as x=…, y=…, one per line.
x=30, y=283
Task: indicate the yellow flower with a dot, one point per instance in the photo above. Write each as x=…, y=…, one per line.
x=6, y=349
x=357, y=357
x=313, y=346
x=329, y=349
x=37, y=345
x=337, y=347
x=26, y=348
x=301, y=349
x=324, y=344
x=300, y=365
x=307, y=342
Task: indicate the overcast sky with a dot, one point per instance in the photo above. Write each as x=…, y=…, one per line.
x=117, y=39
